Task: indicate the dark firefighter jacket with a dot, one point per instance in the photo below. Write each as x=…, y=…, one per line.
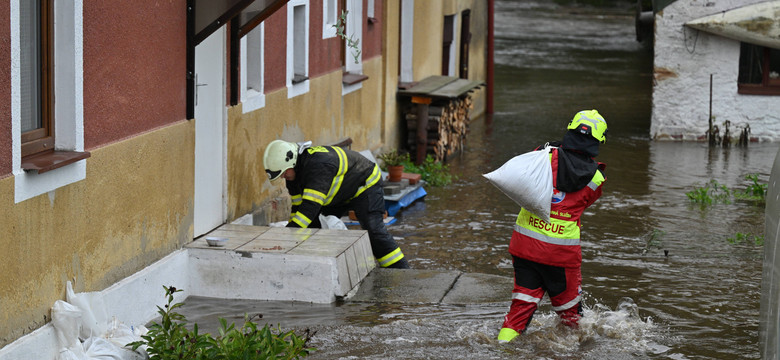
x=327, y=175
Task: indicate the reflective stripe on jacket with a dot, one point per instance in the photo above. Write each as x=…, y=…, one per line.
x=556, y=243
x=328, y=175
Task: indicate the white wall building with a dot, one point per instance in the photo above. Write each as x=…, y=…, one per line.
x=724, y=50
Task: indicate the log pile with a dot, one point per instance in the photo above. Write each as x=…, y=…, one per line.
x=448, y=125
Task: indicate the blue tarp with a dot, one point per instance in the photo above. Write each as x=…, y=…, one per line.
x=393, y=206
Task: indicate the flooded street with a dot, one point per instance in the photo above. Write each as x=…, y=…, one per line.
x=661, y=278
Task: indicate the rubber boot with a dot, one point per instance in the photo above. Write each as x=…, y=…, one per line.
x=506, y=335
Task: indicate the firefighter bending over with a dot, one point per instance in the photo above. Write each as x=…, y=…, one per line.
x=329, y=180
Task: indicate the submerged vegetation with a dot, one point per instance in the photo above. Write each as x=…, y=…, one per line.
x=171, y=339
x=747, y=239
x=713, y=192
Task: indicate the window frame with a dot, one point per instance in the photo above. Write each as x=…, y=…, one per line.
x=66, y=163
x=42, y=139
x=297, y=84
x=352, y=71
x=768, y=86
x=251, y=98
x=330, y=16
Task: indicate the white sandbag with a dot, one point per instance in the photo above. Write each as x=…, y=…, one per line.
x=66, y=319
x=332, y=222
x=527, y=179
x=94, y=316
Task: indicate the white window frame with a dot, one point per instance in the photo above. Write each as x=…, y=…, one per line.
x=253, y=52
x=451, y=67
x=370, y=5
x=354, y=30
x=407, y=41
x=68, y=95
x=330, y=16
x=294, y=90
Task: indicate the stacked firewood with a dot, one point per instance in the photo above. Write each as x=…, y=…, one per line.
x=448, y=125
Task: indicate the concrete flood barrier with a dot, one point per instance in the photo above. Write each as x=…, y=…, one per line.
x=769, y=334
x=255, y=262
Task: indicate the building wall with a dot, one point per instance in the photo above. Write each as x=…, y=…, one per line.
x=684, y=60
x=135, y=204
x=129, y=46
x=129, y=212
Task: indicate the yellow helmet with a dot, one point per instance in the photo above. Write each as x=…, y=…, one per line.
x=590, y=122
x=279, y=156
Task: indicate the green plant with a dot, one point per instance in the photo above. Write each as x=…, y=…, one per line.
x=654, y=240
x=171, y=339
x=754, y=191
x=433, y=172
x=711, y=192
x=341, y=25
x=739, y=238
x=393, y=158
x=249, y=342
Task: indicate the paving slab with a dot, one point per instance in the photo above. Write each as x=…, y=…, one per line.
x=405, y=286
x=476, y=288
x=432, y=286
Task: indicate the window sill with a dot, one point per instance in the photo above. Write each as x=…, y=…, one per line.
x=297, y=79
x=50, y=160
x=348, y=78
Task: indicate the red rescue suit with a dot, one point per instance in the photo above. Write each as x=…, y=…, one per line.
x=547, y=256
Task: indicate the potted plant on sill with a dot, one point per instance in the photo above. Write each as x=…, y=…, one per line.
x=393, y=161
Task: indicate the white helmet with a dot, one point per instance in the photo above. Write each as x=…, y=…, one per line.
x=279, y=156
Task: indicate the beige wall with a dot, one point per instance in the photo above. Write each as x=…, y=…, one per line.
x=133, y=208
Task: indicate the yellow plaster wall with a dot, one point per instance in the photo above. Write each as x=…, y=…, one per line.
x=391, y=132
x=133, y=208
x=428, y=38
x=321, y=115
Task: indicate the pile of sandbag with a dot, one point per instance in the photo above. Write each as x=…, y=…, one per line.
x=85, y=332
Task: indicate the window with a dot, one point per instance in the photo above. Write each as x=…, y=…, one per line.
x=252, y=74
x=35, y=85
x=448, y=51
x=351, y=53
x=297, y=48
x=759, y=70
x=47, y=121
x=330, y=16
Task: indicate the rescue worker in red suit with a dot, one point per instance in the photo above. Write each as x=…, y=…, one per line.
x=329, y=180
x=546, y=256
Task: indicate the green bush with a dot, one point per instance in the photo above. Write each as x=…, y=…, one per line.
x=170, y=339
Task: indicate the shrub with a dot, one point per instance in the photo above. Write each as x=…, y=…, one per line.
x=433, y=172
x=170, y=339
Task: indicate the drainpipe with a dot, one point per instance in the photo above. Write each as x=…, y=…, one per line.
x=489, y=80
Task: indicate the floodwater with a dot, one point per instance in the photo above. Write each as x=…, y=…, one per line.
x=661, y=278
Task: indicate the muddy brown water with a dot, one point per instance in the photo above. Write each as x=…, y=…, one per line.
x=661, y=278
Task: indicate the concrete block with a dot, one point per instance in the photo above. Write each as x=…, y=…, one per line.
x=391, y=189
